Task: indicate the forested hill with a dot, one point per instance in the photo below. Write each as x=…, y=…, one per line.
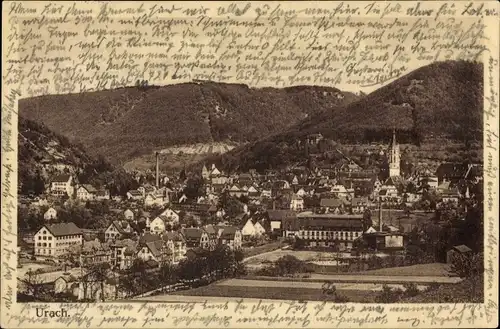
x=441, y=101
x=125, y=123
x=44, y=154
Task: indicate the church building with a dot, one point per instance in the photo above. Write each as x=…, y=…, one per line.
x=394, y=158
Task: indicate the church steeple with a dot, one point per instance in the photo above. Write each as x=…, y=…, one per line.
x=395, y=157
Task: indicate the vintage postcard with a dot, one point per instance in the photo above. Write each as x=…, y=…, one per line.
x=281, y=164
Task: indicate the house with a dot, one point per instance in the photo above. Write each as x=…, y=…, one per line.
x=391, y=240
x=57, y=239
x=457, y=251
x=341, y=191
x=276, y=217
x=171, y=215
x=158, y=224
x=359, y=205
x=86, y=192
x=236, y=191
x=430, y=180
x=450, y=195
x=175, y=242
x=146, y=189
x=134, y=195
x=156, y=198
x=334, y=206
x=128, y=214
x=182, y=199
x=213, y=235
x=231, y=237
x=215, y=172
x=51, y=213
x=248, y=229
x=196, y=237
x=301, y=192
x=123, y=253
x=118, y=229
x=389, y=191
x=66, y=284
x=154, y=250
x=62, y=185
x=259, y=229
x=102, y=194
x=296, y=203
x=94, y=252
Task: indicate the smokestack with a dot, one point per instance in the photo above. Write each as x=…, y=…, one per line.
x=157, y=169
x=379, y=215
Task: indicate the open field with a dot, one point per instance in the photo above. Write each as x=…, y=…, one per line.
x=303, y=255
x=274, y=293
x=250, y=253
x=350, y=278
x=306, y=285
x=432, y=269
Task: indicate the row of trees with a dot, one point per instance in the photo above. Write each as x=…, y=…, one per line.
x=206, y=267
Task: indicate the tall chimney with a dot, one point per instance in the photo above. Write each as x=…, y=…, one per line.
x=157, y=169
x=379, y=215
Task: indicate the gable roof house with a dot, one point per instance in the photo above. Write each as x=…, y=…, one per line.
x=102, y=194
x=334, y=206
x=118, y=229
x=231, y=237
x=51, y=213
x=57, y=239
x=62, y=185
x=128, y=214
x=134, y=195
x=248, y=229
x=276, y=217
x=196, y=237
x=86, y=192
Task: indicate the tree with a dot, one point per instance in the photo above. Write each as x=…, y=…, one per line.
x=469, y=266
x=34, y=285
x=367, y=219
x=298, y=243
x=137, y=278
x=96, y=276
x=168, y=274
x=411, y=289
x=289, y=265
x=388, y=295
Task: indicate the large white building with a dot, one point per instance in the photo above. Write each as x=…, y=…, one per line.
x=62, y=185
x=322, y=230
x=57, y=239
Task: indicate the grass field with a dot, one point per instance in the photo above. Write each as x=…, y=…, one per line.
x=432, y=269
x=277, y=293
x=303, y=255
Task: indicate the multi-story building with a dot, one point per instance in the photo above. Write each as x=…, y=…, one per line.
x=62, y=185
x=322, y=230
x=123, y=253
x=86, y=192
x=57, y=239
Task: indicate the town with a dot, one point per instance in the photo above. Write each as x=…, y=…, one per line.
x=183, y=230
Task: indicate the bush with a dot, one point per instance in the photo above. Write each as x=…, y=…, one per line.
x=411, y=289
x=432, y=287
x=388, y=295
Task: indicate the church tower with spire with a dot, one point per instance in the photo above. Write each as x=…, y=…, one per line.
x=395, y=158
